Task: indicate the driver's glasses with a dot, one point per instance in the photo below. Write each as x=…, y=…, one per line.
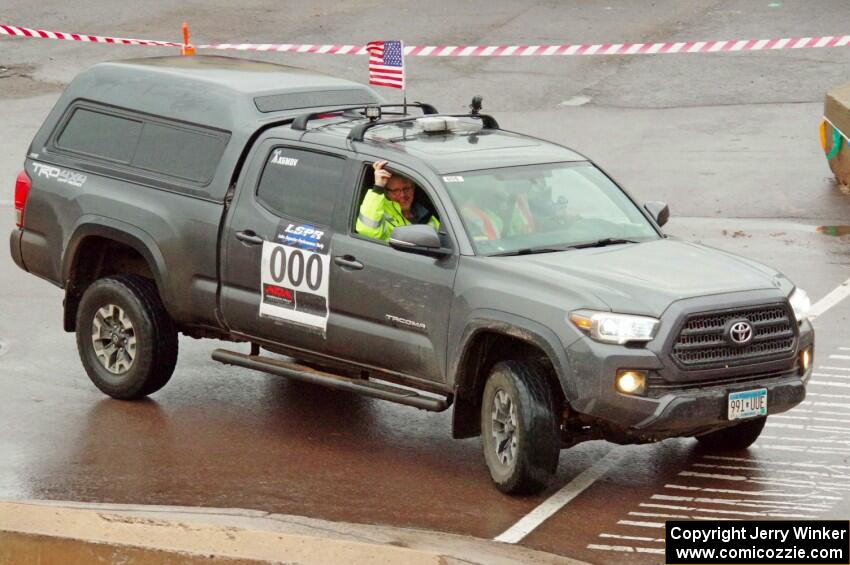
x=398, y=191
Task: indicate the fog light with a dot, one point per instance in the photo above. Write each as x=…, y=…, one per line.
x=631, y=382
x=805, y=359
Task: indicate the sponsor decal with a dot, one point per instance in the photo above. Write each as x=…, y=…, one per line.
x=62, y=176
x=279, y=296
x=453, y=178
x=303, y=236
x=278, y=158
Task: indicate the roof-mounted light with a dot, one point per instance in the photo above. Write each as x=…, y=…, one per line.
x=437, y=124
x=373, y=112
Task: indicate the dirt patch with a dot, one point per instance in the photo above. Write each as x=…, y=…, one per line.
x=18, y=82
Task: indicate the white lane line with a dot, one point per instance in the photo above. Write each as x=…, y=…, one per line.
x=809, y=393
x=625, y=548
x=803, y=439
x=815, y=418
x=831, y=375
x=632, y=538
x=776, y=493
x=833, y=368
x=761, y=462
x=533, y=519
x=830, y=383
x=787, y=471
x=620, y=548
x=818, y=412
x=725, y=512
x=641, y=524
x=817, y=403
x=828, y=429
x=834, y=297
x=675, y=516
x=745, y=503
x=788, y=483
x=809, y=450
x=837, y=356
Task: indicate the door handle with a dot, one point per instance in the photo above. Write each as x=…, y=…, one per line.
x=248, y=236
x=348, y=261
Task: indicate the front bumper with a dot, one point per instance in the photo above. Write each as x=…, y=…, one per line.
x=684, y=407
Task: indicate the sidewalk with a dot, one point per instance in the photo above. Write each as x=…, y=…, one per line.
x=68, y=533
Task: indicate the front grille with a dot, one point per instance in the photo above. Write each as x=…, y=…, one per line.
x=701, y=342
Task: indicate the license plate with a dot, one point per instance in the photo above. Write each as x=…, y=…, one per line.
x=748, y=404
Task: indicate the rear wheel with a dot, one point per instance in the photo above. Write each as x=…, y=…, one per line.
x=734, y=438
x=126, y=339
x=519, y=427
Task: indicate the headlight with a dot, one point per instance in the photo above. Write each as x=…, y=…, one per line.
x=614, y=328
x=800, y=303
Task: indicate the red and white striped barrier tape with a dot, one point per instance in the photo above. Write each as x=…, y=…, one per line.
x=43, y=34
x=549, y=50
x=475, y=50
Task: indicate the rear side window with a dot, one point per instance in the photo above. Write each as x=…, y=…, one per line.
x=185, y=154
x=301, y=184
x=181, y=152
x=101, y=135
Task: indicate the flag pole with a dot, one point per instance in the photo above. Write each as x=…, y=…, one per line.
x=404, y=89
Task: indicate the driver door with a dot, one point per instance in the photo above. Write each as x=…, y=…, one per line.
x=391, y=308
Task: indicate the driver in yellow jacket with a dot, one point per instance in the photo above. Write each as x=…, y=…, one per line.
x=389, y=204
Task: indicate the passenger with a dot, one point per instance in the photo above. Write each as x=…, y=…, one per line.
x=493, y=213
x=483, y=224
x=389, y=204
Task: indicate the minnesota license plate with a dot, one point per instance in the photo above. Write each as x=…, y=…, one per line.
x=748, y=404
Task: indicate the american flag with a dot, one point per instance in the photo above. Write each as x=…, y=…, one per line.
x=386, y=63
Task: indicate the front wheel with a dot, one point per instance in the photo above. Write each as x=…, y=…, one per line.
x=734, y=438
x=519, y=427
x=126, y=339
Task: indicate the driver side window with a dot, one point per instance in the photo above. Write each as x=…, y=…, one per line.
x=401, y=202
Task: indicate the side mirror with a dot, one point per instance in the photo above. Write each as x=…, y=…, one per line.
x=418, y=238
x=659, y=211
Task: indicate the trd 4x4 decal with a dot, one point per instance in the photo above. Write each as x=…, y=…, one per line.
x=59, y=175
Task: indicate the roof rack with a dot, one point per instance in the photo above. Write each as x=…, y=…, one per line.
x=300, y=122
x=358, y=132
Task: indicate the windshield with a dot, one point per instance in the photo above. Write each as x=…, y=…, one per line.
x=544, y=207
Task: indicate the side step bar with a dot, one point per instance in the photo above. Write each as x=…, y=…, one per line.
x=309, y=375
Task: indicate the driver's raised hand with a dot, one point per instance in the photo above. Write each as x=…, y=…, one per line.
x=381, y=175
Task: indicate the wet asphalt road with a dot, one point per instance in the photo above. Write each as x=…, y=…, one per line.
x=730, y=141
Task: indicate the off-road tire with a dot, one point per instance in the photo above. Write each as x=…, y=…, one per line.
x=154, y=331
x=734, y=438
x=538, y=440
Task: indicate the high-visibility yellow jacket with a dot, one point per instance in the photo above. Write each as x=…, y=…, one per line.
x=379, y=216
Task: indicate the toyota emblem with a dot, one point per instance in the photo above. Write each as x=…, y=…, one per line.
x=741, y=333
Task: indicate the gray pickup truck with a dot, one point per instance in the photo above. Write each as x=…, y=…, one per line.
x=218, y=198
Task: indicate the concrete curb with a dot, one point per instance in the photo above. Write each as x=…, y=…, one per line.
x=41, y=532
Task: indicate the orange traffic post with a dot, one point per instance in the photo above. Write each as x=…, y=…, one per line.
x=188, y=48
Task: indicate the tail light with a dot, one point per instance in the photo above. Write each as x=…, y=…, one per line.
x=22, y=190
